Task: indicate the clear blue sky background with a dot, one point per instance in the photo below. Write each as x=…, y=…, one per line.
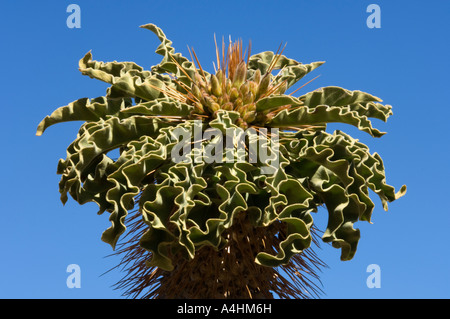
x=405, y=62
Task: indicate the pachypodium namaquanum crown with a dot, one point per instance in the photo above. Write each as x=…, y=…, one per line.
x=232, y=89
x=224, y=226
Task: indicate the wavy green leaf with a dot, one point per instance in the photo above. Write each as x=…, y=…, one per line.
x=160, y=107
x=362, y=103
x=88, y=110
x=324, y=114
x=291, y=71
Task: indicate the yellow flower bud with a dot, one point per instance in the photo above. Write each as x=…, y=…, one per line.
x=228, y=106
x=263, y=86
x=214, y=107
x=257, y=76
x=219, y=76
x=249, y=117
x=216, y=88
x=196, y=91
x=240, y=75
x=244, y=88
x=238, y=102
x=253, y=86
x=228, y=86
x=248, y=98
x=251, y=107
x=199, y=106
x=199, y=80
x=234, y=94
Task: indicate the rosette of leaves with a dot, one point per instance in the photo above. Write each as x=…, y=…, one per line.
x=216, y=225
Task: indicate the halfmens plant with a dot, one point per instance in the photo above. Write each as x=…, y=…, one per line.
x=208, y=229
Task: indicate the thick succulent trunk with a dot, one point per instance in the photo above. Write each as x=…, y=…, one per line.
x=229, y=273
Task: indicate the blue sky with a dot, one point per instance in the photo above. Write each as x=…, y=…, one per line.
x=405, y=62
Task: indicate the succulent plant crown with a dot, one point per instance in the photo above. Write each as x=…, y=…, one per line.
x=187, y=206
x=233, y=88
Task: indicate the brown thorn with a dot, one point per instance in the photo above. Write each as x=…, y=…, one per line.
x=190, y=53
x=199, y=65
x=180, y=67
x=249, y=51
x=165, y=92
x=217, y=53
x=224, y=62
x=188, y=89
x=277, y=57
x=304, y=84
x=249, y=293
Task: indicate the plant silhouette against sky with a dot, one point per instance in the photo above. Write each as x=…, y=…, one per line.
x=221, y=229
